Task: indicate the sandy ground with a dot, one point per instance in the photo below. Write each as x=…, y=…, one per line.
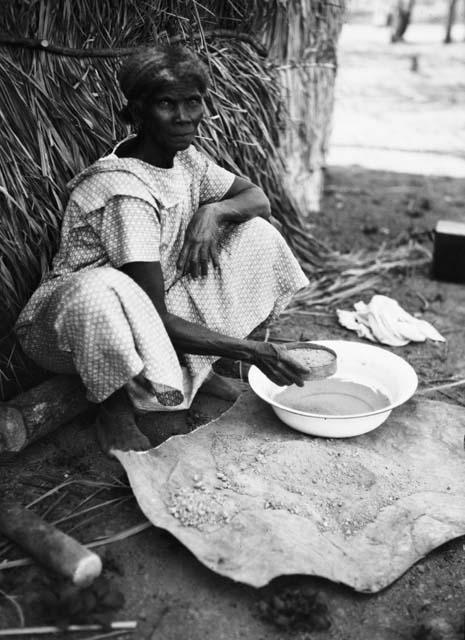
x=169, y=593
x=389, y=117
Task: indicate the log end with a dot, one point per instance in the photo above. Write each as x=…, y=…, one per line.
x=87, y=570
x=13, y=433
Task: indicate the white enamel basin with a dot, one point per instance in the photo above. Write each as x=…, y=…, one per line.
x=358, y=362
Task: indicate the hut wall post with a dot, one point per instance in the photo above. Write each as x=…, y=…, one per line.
x=304, y=49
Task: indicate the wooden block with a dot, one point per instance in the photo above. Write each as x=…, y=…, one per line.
x=39, y=411
x=449, y=251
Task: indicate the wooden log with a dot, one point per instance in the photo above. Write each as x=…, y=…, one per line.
x=39, y=411
x=48, y=545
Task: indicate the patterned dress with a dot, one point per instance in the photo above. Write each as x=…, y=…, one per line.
x=90, y=318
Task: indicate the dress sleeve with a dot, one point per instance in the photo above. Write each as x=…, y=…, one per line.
x=130, y=231
x=215, y=181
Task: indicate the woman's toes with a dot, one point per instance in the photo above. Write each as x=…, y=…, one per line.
x=117, y=434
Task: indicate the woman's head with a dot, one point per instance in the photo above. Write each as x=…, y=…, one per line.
x=148, y=70
x=164, y=88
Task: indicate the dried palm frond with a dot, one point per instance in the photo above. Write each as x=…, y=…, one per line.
x=353, y=274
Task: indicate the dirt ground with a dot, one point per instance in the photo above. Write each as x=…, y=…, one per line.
x=169, y=593
x=165, y=588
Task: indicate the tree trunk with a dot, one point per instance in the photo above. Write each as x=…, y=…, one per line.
x=401, y=17
x=450, y=21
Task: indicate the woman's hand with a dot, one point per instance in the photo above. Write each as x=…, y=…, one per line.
x=276, y=363
x=200, y=243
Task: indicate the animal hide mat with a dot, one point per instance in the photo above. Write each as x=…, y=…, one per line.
x=253, y=499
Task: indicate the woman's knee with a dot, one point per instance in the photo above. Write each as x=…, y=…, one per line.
x=262, y=234
x=89, y=289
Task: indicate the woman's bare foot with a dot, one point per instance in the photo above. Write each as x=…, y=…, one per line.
x=224, y=388
x=116, y=426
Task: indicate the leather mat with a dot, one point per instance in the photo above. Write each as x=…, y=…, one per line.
x=253, y=499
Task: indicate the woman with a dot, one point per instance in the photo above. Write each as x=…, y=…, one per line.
x=166, y=263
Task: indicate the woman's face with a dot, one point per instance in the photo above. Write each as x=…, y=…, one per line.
x=171, y=118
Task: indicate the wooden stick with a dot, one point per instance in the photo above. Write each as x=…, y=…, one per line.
x=122, y=535
x=40, y=44
x=47, y=544
x=114, y=626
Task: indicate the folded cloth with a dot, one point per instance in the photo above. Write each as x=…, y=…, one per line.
x=383, y=320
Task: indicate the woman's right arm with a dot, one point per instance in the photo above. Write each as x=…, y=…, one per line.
x=188, y=337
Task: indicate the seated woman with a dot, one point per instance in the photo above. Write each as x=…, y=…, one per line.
x=166, y=263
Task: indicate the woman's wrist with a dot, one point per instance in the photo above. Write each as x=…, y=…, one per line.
x=219, y=212
x=250, y=351
x=243, y=350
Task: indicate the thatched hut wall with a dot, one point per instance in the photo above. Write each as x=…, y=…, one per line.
x=59, y=113
x=304, y=48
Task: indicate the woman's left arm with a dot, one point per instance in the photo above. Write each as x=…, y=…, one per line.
x=243, y=201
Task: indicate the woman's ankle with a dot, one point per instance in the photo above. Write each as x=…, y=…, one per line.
x=118, y=402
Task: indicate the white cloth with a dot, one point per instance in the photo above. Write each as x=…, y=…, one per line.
x=383, y=320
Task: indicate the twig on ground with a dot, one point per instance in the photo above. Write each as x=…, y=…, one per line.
x=81, y=523
x=440, y=387
x=121, y=483
x=111, y=634
x=128, y=625
x=16, y=605
x=85, y=501
x=305, y=312
x=423, y=300
x=442, y=380
x=454, y=399
x=67, y=483
x=122, y=535
x=54, y=504
x=89, y=509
